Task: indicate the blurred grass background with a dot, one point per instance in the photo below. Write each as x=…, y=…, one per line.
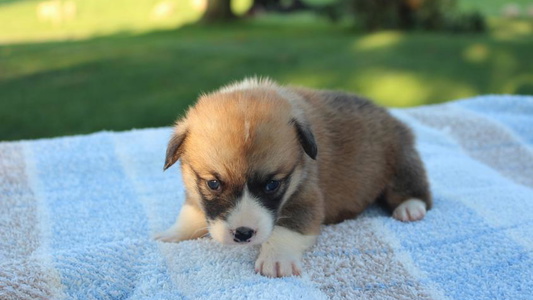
x=122, y=64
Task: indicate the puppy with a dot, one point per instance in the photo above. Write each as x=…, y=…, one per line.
x=265, y=164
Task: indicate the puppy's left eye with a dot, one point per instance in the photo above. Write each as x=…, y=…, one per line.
x=272, y=186
x=213, y=185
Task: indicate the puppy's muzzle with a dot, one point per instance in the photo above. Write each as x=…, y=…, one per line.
x=243, y=234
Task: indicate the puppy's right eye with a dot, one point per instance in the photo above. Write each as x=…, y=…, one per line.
x=213, y=185
x=272, y=186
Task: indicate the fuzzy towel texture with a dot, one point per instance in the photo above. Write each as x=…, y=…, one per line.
x=77, y=215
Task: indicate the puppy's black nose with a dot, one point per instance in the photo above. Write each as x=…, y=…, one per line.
x=243, y=234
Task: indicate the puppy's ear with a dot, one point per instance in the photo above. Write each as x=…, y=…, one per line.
x=306, y=138
x=174, y=148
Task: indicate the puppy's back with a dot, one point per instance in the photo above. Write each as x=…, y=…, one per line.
x=358, y=144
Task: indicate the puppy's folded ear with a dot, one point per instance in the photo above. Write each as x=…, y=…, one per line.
x=174, y=148
x=306, y=138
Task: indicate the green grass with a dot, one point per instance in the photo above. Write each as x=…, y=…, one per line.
x=492, y=7
x=137, y=78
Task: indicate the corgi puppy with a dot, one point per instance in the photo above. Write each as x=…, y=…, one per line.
x=264, y=164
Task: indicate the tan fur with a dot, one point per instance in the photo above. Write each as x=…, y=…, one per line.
x=271, y=146
x=223, y=118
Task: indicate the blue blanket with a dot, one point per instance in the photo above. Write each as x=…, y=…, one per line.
x=77, y=215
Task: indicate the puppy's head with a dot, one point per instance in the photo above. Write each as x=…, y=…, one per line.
x=243, y=153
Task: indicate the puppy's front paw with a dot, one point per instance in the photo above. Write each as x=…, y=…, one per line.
x=190, y=224
x=171, y=235
x=281, y=254
x=276, y=265
x=410, y=210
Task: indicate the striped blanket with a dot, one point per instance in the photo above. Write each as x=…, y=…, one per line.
x=77, y=215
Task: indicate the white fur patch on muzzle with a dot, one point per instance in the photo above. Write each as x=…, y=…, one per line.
x=248, y=223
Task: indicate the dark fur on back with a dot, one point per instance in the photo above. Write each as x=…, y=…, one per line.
x=363, y=153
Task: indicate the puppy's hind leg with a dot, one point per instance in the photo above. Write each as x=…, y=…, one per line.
x=408, y=194
x=190, y=224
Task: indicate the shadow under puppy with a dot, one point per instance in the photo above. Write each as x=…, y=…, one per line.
x=267, y=164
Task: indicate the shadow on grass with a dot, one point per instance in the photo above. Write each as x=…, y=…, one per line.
x=128, y=81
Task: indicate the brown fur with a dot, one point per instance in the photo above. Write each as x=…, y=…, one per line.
x=363, y=152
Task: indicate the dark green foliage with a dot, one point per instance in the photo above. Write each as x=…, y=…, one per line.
x=435, y=15
x=467, y=22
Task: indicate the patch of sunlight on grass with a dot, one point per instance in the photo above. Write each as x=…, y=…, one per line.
x=401, y=89
x=395, y=89
x=379, y=40
x=36, y=21
x=476, y=53
x=507, y=29
x=389, y=88
x=240, y=7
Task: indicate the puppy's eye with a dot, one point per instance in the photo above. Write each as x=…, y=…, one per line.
x=272, y=186
x=213, y=185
